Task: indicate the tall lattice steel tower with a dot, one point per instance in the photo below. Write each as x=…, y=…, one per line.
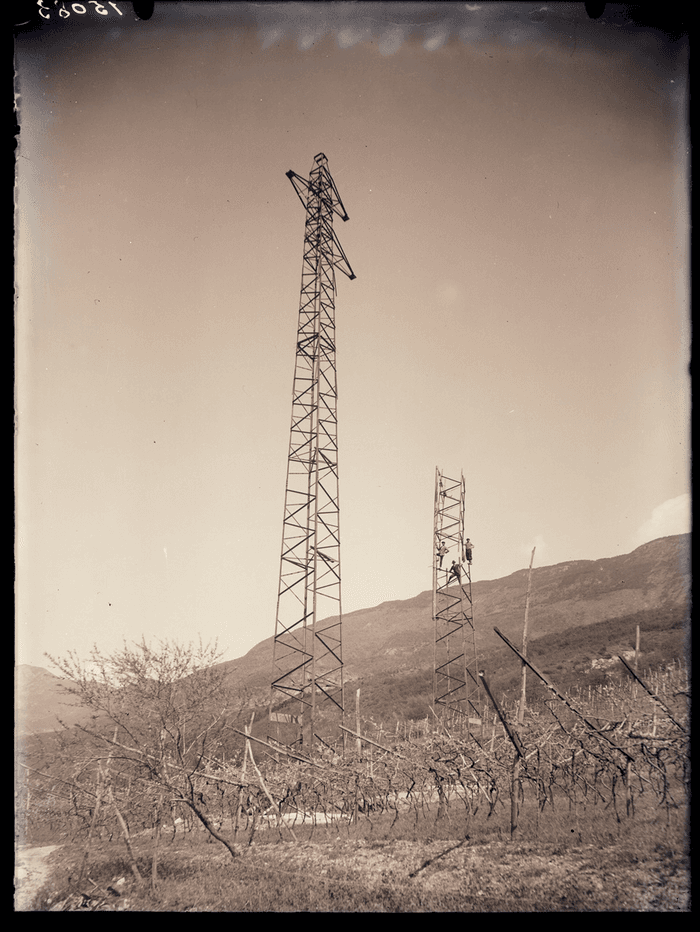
x=456, y=681
x=307, y=677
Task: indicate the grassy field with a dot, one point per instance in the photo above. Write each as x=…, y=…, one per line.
x=563, y=862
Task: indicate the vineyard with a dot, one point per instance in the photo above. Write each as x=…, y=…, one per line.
x=588, y=769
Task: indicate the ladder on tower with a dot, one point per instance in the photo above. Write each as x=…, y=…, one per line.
x=307, y=692
x=456, y=683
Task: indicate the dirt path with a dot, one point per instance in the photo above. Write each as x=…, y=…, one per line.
x=31, y=873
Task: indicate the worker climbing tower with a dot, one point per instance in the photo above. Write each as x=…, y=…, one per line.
x=306, y=694
x=455, y=676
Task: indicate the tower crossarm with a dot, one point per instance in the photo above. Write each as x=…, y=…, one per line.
x=324, y=187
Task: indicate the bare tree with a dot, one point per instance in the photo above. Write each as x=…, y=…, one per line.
x=159, y=716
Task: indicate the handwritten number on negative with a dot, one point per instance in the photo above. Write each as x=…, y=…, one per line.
x=78, y=8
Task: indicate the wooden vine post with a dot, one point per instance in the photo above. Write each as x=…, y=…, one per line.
x=246, y=749
x=521, y=710
x=125, y=833
x=93, y=821
x=156, y=842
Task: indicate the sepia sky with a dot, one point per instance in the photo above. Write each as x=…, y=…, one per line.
x=516, y=181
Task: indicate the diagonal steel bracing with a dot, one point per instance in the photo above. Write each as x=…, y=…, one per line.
x=307, y=651
x=455, y=676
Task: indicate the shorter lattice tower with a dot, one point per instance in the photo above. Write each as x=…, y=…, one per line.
x=456, y=683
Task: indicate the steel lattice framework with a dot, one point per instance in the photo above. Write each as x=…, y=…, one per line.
x=307, y=678
x=456, y=681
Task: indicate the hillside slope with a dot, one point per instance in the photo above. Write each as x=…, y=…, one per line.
x=397, y=637
x=394, y=641
x=41, y=700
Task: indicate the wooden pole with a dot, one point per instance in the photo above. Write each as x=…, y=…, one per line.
x=95, y=813
x=369, y=741
x=239, y=807
x=562, y=697
x=515, y=775
x=279, y=750
x=101, y=781
x=274, y=805
x=521, y=710
x=511, y=732
x=156, y=843
x=652, y=694
x=125, y=832
x=357, y=724
x=636, y=652
x=628, y=789
x=514, y=794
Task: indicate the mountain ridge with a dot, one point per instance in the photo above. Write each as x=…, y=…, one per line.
x=572, y=593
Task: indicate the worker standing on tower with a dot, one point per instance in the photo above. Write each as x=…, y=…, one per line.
x=455, y=570
x=441, y=551
x=324, y=556
x=468, y=547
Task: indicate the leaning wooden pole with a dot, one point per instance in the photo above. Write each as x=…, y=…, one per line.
x=523, y=682
x=511, y=732
x=651, y=693
x=567, y=702
x=519, y=752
